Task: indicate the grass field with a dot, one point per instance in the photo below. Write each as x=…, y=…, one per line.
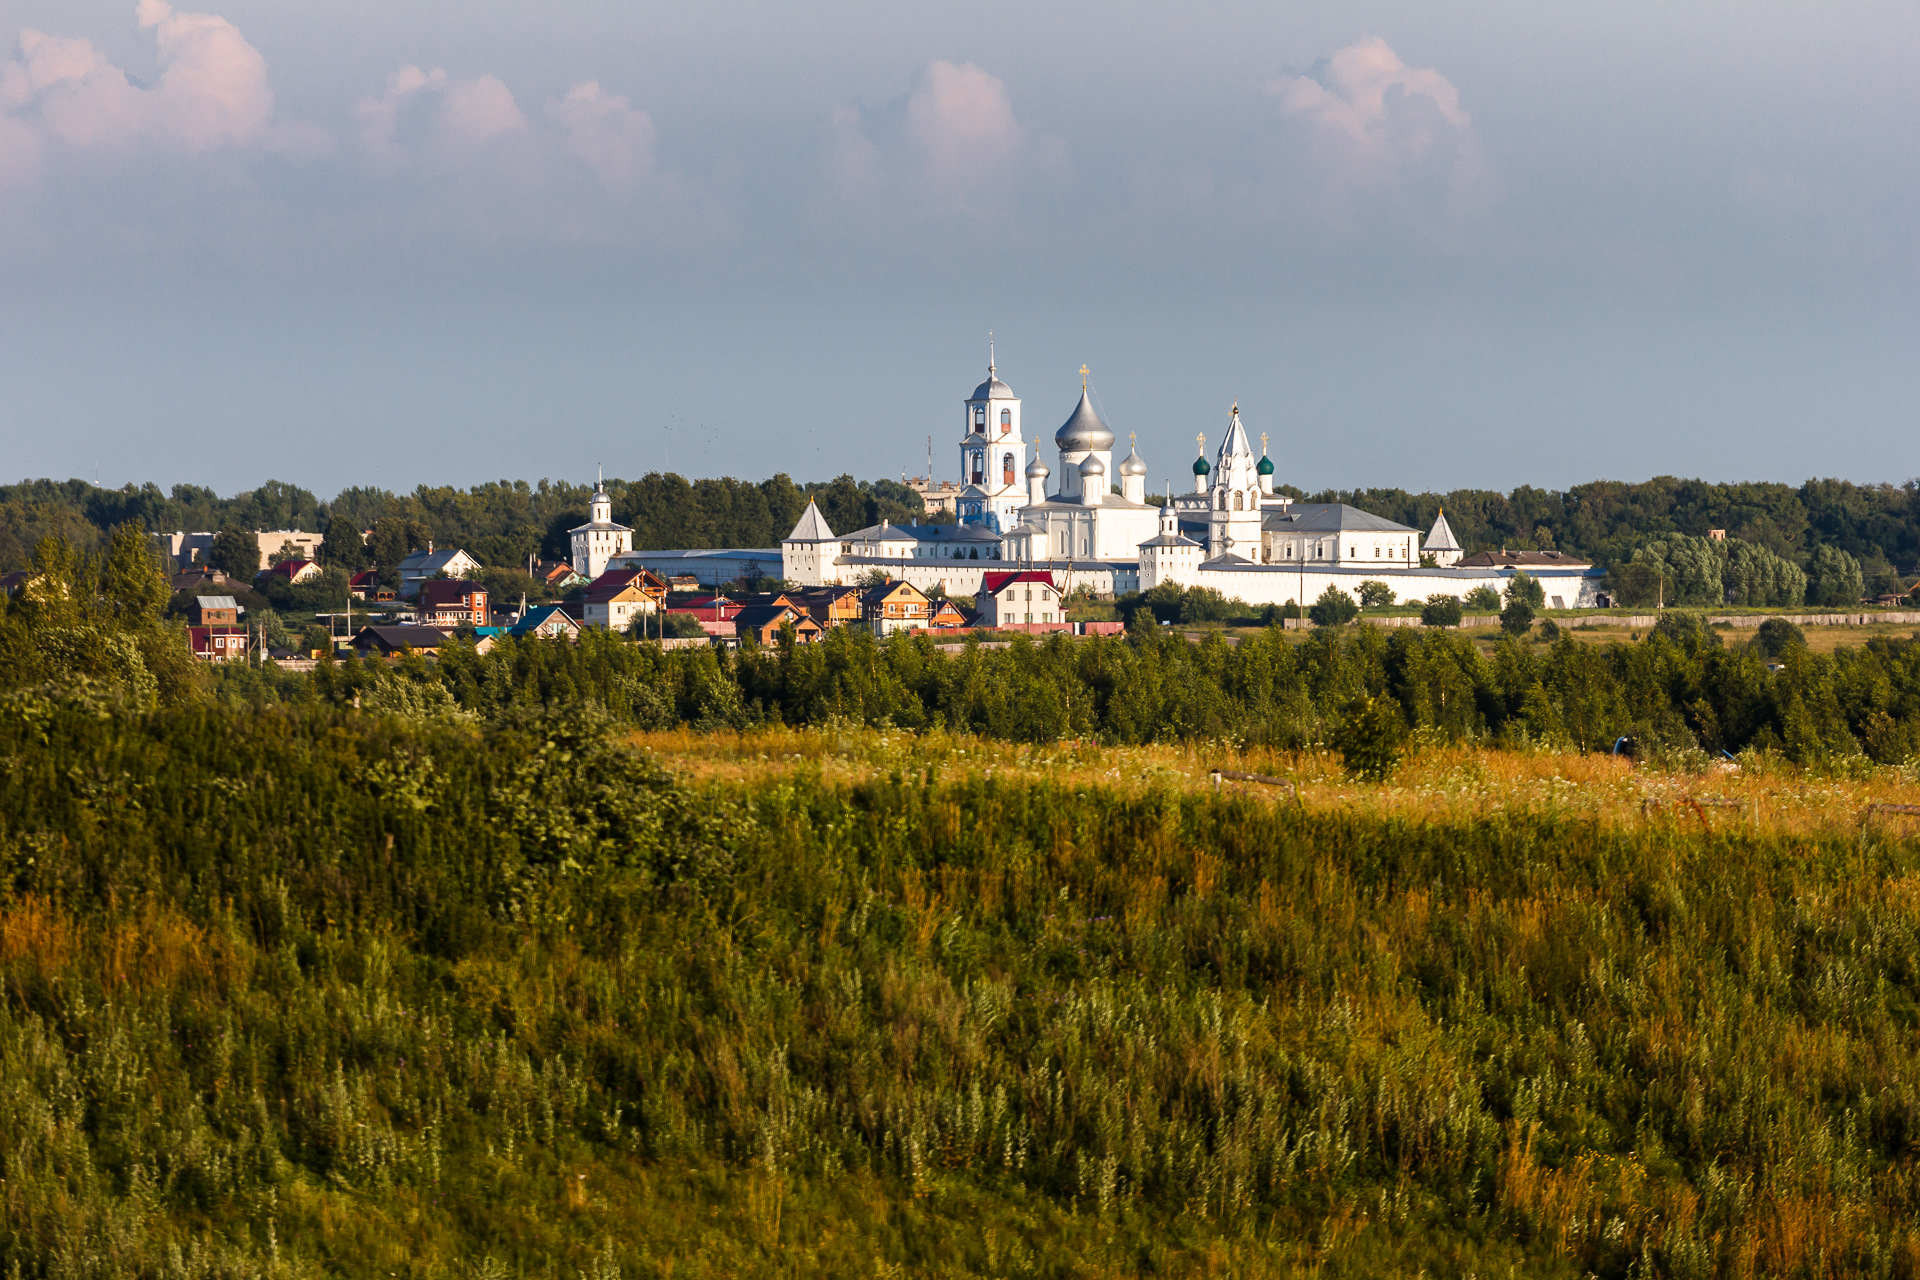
x=312, y=993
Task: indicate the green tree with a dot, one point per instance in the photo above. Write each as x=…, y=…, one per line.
x=132, y=585
x=1334, y=608
x=1207, y=604
x=236, y=553
x=1483, y=600
x=393, y=539
x=1776, y=635
x=1525, y=587
x=680, y=626
x=1370, y=738
x=1441, y=611
x=1517, y=618
x=1757, y=577
x=1375, y=595
x=1834, y=578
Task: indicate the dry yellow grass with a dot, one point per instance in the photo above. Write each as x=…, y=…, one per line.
x=1441, y=783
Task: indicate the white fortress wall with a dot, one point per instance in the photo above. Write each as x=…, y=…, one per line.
x=1279, y=583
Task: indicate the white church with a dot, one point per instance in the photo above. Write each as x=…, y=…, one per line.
x=1090, y=524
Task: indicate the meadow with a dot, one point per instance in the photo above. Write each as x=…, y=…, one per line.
x=306, y=990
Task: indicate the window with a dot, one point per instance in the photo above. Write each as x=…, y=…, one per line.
x=1006, y=421
x=1239, y=501
x=1006, y=465
x=980, y=417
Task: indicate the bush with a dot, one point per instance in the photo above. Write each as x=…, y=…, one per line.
x=1483, y=600
x=1334, y=608
x=1777, y=635
x=1441, y=611
x=1549, y=631
x=1369, y=740
x=1375, y=595
x=1516, y=618
x=1206, y=604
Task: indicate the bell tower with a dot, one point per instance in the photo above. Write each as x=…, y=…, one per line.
x=991, y=451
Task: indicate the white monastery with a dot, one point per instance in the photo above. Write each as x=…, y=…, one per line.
x=1087, y=520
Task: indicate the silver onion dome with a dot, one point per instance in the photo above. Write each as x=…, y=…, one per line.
x=1084, y=429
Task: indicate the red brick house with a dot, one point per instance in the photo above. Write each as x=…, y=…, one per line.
x=451, y=602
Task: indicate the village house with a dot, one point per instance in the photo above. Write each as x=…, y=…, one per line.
x=447, y=602
x=214, y=611
x=424, y=566
x=947, y=615
x=291, y=570
x=217, y=643
x=617, y=596
x=762, y=622
x=830, y=606
x=1017, y=599
x=391, y=642
x=548, y=622
x=557, y=576
x=895, y=606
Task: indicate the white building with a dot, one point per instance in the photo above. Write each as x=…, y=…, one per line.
x=599, y=540
x=990, y=454
x=1233, y=532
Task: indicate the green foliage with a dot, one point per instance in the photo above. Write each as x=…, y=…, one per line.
x=236, y=553
x=1757, y=577
x=1776, y=635
x=1441, y=611
x=1482, y=600
x=1517, y=618
x=314, y=992
x=1375, y=595
x=1334, y=608
x=1834, y=578
x=1527, y=589
x=1370, y=738
x=681, y=626
x=1679, y=570
x=1208, y=604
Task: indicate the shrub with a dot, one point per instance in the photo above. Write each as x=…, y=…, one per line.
x=1369, y=740
x=1441, y=611
x=1516, y=618
x=1686, y=628
x=1334, y=608
x=1549, y=630
x=1375, y=595
x=1483, y=600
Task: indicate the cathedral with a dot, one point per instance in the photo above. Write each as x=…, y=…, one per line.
x=1092, y=524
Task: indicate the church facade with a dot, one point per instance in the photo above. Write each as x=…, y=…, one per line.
x=1089, y=522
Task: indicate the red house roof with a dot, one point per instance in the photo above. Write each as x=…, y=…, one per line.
x=439, y=591
x=992, y=582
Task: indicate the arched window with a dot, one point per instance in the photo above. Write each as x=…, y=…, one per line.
x=1006, y=466
x=979, y=467
x=979, y=417
x=1239, y=501
x=1006, y=421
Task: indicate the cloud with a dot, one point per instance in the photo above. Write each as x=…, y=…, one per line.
x=1383, y=138
x=211, y=92
x=427, y=119
x=952, y=145
x=605, y=131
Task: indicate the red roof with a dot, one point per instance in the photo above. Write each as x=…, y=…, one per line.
x=365, y=578
x=614, y=581
x=287, y=568
x=992, y=582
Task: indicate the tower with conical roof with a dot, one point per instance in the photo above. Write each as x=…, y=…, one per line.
x=990, y=453
x=1441, y=544
x=1233, y=497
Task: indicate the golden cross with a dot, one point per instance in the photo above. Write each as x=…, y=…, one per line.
x=1083, y=377
x=1236, y=408
x=1133, y=437
x=1263, y=442
x=1200, y=442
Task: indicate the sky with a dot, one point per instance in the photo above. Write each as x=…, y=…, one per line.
x=1427, y=246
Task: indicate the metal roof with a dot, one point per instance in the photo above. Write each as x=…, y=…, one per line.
x=218, y=602
x=1083, y=428
x=1440, y=537
x=811, y=527
x=1327, y=517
